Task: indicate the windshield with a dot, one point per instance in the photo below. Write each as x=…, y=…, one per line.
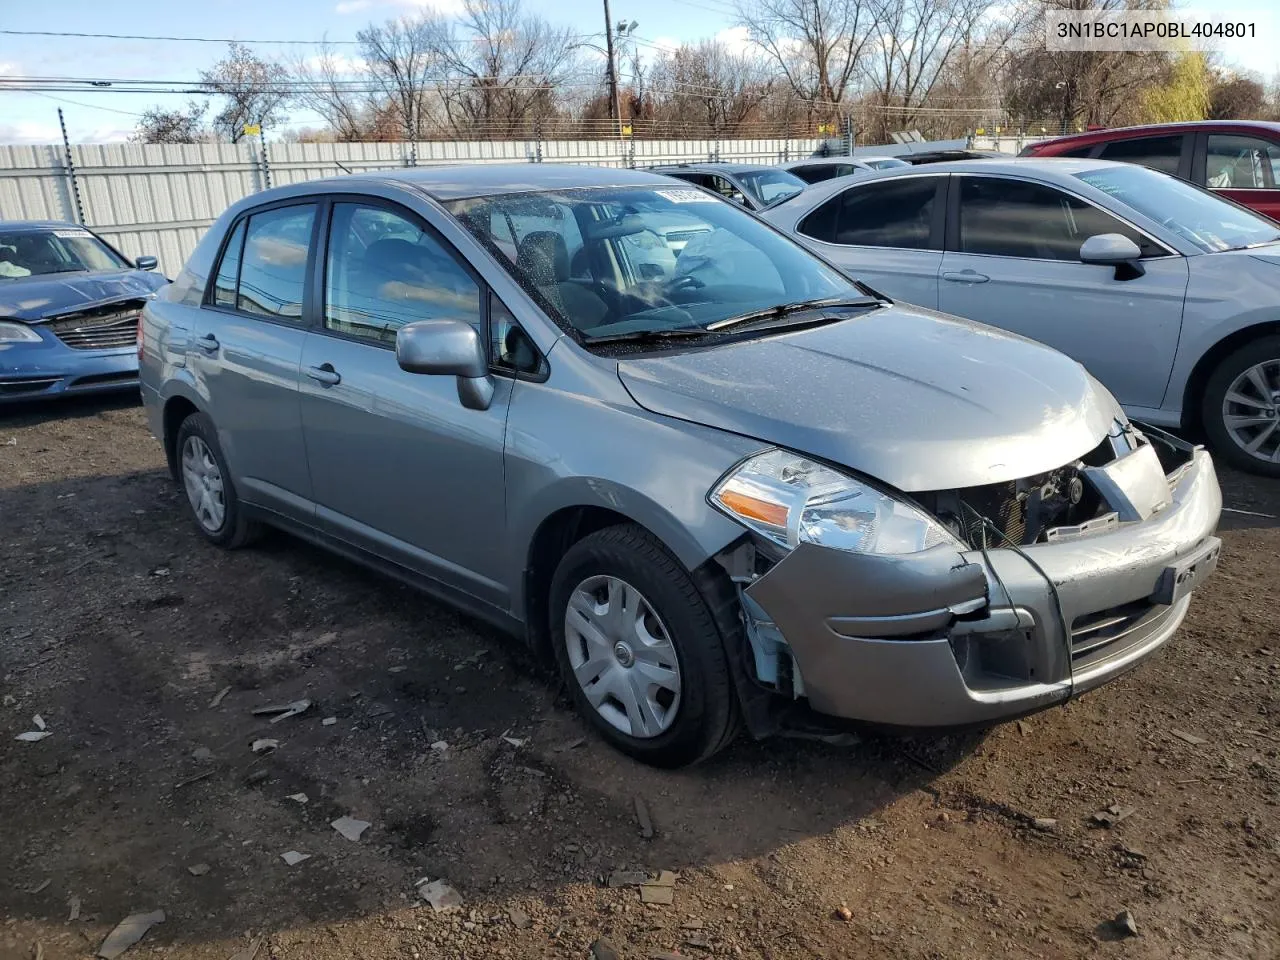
x=640, y=260
x=769, y=185
x=27, y=253
x=888, y=163
x=1198, y=216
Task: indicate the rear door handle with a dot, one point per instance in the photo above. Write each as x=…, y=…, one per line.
x=965, y=276
x=208, y=343
x=325, y=375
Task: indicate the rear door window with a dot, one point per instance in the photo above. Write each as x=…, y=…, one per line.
x=1158, y=153
x=1235, y=162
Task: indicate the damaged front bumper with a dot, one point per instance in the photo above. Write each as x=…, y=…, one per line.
x=950, y=638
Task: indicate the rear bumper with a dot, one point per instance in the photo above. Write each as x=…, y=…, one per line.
x=36, y=371
x=950, y=639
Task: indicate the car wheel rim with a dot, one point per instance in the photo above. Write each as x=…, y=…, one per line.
x=622, y=656
x=1251, y=411
x=203, y=482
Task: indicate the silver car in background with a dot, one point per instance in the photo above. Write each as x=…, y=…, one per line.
x=818, y=169
x=732, y=487
x=1167, y=293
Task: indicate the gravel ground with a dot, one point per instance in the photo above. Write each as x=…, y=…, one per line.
x=120, y=627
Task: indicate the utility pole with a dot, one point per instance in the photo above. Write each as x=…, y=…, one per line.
x=615, y=107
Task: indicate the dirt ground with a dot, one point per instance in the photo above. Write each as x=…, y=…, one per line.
x=119, y=626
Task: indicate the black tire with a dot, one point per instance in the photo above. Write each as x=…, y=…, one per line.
x=706, y=716
x=1224, y=446
x=235, y=530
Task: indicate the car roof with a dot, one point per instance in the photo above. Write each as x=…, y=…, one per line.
x=1187, y=126
x=40, y=225
x=445, y=182
x=716, y=167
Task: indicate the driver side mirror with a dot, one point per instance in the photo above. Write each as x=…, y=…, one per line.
x=448, y=347
x=1113, y=250
x=145, y=263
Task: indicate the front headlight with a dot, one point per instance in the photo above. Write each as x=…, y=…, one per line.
x=11, y=332
x=792, y=500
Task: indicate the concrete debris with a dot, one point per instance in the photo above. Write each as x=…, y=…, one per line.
x=38, y=721
x=643, y=818
x=440, y=746
x=160, y=572
x=514, y=741
x=202, y=754
x=1124, y=924
x=1190, y=738
x=264, y=745
x=73, y=909
x=602, y=949
x=1045, y=824
x=33, y=736
x=255, y=776
x=1024, y=728
x=283, y=711
x=198, y=869
x=293, y=857
x=693, y=923
x=328, y=721
x=1112, y=815
x=660, y=891
x=39, y=887
x=128, y=932
x=627, y=878
x=11, y=442
x=297, y=797
x=219, y=697
x=442, y=897
x=350, y=827
x=519, y=919
x=571, y=745
x=697, y=943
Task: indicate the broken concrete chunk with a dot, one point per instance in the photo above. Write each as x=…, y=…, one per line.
x=350, y=827
x=38, y=721
x=627, y=878
x=283, y=711
x=602, y=949
x=202, y=754
x=34, y=736
x=219, y=697
x=571, y=745
x=128, y=932
x=328, y=721
x=442, y=897
x=198, y=869
x=643, y=818
x=264, y=745
x=514, y=741
x=1045, y=824
x=73, y=909
x=39, y=887
x=652, y=893
x=293, y=857
x=1190, y=738
x=1124, y=924
x=440, y=746
x=297, y=797
x=519, y=919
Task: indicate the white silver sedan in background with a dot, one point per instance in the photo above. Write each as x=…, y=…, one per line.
x=818, y=169
x=1167, y=293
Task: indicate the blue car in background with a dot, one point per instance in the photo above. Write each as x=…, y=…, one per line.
x=69, y=308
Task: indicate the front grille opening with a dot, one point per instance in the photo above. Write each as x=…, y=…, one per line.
x=98, y=379
x=33, y=385
x=101, y=328
x=1106, y=633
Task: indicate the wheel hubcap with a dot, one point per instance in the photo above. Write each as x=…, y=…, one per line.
x=203, y=482
x=1251, y=411
x=622, y=656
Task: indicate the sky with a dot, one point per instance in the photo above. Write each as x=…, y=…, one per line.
x=100, y=117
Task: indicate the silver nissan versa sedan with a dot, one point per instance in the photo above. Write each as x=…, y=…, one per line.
x=722, y=484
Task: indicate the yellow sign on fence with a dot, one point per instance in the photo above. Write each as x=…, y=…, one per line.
x=252, y=129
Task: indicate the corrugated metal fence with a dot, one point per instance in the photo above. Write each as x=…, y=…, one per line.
x=159, y=199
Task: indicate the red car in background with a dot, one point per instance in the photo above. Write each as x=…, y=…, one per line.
x=1239, y=159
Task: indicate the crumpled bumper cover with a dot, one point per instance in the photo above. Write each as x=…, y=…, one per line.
x=34, y=371
x=949, y=638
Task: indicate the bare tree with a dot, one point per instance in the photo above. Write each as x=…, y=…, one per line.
x=323, y=85
x=1236, y=97
x=255, y=91
x=401, y=58
x=703, y=87
x=501, y=67
x=818, y=45
x=159, y=125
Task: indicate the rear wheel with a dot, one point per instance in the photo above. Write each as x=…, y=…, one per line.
x=1241, y=407
x=640, y=650
x=211, y=496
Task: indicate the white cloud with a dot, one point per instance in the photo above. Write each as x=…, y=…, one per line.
x=440, y=6
x=736, y=40
x=9, y=68
x=41, y=133
x=339, y=63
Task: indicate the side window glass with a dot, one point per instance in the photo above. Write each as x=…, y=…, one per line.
x=1158, y=153
x=1082, y=152
x=889, y=214
x=821, y=223
x=509, y=346
x=274, y=267
x=224, y=284
x=383, y=271
x=814, y=173
x=1240, y=163
x=727, y=189
x=1011, y=218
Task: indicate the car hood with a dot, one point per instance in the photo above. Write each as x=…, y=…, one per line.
x=915, y=399
x=35, y=298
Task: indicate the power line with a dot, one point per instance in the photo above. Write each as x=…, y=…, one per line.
x=87, y=106
x=139, y=36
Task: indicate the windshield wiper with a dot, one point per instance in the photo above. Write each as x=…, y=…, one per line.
x=646, y=336
x=785, y=309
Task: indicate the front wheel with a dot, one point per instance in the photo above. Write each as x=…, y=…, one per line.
x=1241, y=407
x=639, y=648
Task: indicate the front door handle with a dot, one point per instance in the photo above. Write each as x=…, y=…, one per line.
x=207, y=343
x=965, y=276
x=325, y=375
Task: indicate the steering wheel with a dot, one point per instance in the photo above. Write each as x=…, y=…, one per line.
x=685, y=281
